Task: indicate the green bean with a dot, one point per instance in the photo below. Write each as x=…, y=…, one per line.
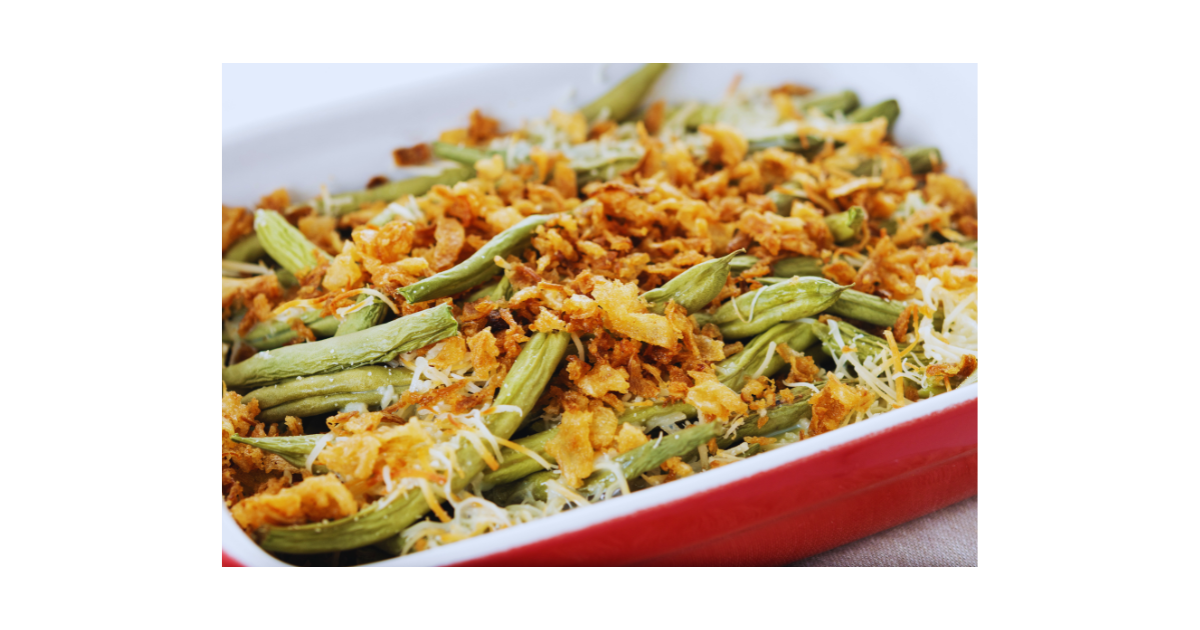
x=809, y=146
x=734, y=371
x=286, y=279
x=798, y=266
x=346, y=203
x=867, y=308
x=364, y=317
x=518, y=465
x=515, y=464
x=483, y=292
x=827, y=104
x=496, y=291
x=923, y=159
x=845, y=225
x=274, y=333
x=817, y=352
x=779, y=418
x=623, y=99
x=377, y=344
x=742, y=262
x=610, y=169
x=318, y=405
x=466, y=156
x=783, y=201
x=864, y=343
x=359, y=379
x=783, y=268
x=503, y=291
x=522, y=387
x=287, y=245
x=638, y=461
x=754, y=312
x=888, y=109
x=633, y=464
x=933, y=389
x=248, y=249
x=292, y=448
x=693, y=289
x=480, y=267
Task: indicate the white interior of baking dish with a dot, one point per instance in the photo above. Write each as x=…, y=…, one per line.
x=345, y=145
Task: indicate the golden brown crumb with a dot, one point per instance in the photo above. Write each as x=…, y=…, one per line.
x=314, y=499
x=411, y=156
x=303, y=332
x=713, y=399
x=676, y=469
x=900, y=328
x=235, y=223
x=834, y=403
x=572, y=447
x=278, y=201
x=803, y=368
x=482, y=128
x=322, y=231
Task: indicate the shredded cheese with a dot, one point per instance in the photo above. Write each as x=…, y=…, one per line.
x=737, y=312
x=579, y=346
x=387, y=478
x=766, y=360
x=527, y=452
x=434, y=504
x=376, y=294
x=605, y=463
x=757, y=294
x=312, y=455
x=554, y=486
x=233, y=267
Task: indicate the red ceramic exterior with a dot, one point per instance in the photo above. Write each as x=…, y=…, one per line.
x=786, y=513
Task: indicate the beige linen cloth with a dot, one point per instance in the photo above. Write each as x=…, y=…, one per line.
x=946, y=538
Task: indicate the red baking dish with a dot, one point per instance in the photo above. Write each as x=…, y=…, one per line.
x=771, y=509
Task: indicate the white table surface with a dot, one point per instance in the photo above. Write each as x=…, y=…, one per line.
x=255, y=93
